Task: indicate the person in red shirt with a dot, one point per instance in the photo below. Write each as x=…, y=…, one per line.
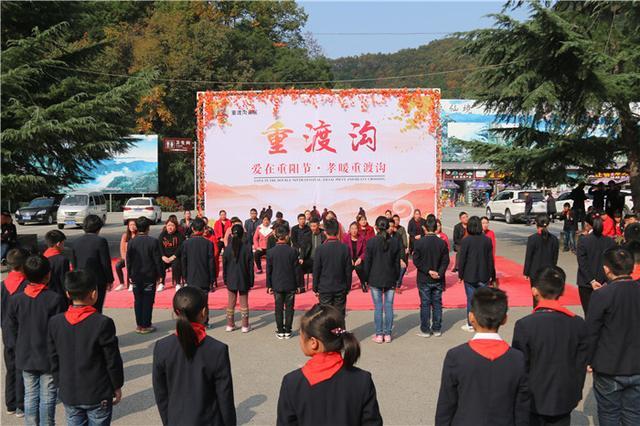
x=220, y=228
x=608, y=225
x=364, y=229
x=489, y=233
x=441, y=234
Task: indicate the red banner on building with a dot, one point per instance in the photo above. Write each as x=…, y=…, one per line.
x=177, y=145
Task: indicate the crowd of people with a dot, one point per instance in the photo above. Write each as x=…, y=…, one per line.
x=57, y=342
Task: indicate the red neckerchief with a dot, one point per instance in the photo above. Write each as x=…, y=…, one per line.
x=636, y=272
x=322, y=366
x=51, y=251
x=33, y=289
x=489, y=348
x=76, y=314
x=281, y=242
x=553, y=305
x=200, y=330
x=13, y=281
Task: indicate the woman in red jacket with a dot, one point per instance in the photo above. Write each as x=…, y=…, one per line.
x=364, y=229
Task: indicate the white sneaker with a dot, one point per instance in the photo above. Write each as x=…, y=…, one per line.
x=178, y=287
x=246, y=329
x=119, y=288
x=421, y=334
x=467, y=328
x=130, y=287
x=160, y=288
x=437, y=333
x=229, y=329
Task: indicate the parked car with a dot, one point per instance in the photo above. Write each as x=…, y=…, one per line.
x=142, y=206
x=564, y=198
x=39, y=210
x=75, y=206
x=509, y=204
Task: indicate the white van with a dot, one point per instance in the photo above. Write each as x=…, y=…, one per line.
x=75, y=206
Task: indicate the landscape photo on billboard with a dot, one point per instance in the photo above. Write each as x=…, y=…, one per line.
x=132, y=172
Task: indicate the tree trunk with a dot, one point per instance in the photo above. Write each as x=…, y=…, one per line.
x=631, y=139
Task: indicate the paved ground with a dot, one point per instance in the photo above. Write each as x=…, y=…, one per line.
x=406, y=372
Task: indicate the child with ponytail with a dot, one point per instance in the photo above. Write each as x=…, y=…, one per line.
x=237, y=264
x=191, y=375
x=382, y=265
x=328, y=389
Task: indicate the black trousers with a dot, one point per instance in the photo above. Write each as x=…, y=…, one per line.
x=143, y=295
x=13, y=384
x=336, y=299
x=585, y=297
x=540, y=420
x=176, y=271
x=120, y=265
x=102, y=294
x=284, y=310
x=258, y=255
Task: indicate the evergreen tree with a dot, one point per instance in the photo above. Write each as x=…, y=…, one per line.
x=57, y=122
x=568, y=76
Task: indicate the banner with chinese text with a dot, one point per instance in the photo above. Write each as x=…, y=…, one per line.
x=340, y=150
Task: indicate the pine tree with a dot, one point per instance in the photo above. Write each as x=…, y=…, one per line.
x=569, y=76
x=57, y=122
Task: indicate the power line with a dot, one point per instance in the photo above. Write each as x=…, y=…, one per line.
x=352, y=80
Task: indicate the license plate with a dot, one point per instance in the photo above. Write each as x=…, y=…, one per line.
x=26, y=217
x=70, y=222
x=138, y=210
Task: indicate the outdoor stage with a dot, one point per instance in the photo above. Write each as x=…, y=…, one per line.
x=509, y=274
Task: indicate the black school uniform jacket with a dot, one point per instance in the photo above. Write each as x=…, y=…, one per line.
x=348, y=398
x=540, y=254
x=4, y=312
x=238, y=274
x=144, y=259
x=555, y=349
x=193, y=392
x=382, y=268
x=300, y=235
x=590, y=261
x=28, y=320
x=85, y=359
x=90, y=253
x=475, y=259
x=59, y=268
x=477, y=391
x=198, y=264
x=614, y=334
x=332, y=268
x=282, y=267
x=430, y=253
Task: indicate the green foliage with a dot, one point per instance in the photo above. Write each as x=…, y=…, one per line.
x=57, y=123
x=437, y=56
x=569, y=76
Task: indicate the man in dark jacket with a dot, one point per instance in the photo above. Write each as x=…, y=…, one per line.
x=250, y=226
x=614, y=353
x=300, y=232
x=145, y=269
x=198, y=265
x=91, y=253
x=460, y=230
x=431, y=258
x=332, y=270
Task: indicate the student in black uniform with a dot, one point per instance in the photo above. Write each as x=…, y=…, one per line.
x=12, y=285
x=59, y=263
x=198, y=264
x=614, y=336
x=28, y=319
x=191, y=374
x=90, y=252
x=590, y=249
x=145, y=271
x=283, y=282
x=332, y=269
x=475, y=264
x=328, y=389
x=431, y=258
x=381, y=271
x=554, y=343
x=542, y=250
x=238, y=276
x=484, y=381
x=84, y=355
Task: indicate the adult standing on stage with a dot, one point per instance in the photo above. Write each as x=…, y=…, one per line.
x=542, y=250
x=415, y=228
x=91, y=253
x=250, y=226
x=591, y=248
x=475, y=262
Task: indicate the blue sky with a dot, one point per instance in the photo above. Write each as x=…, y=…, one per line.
x=436, y=18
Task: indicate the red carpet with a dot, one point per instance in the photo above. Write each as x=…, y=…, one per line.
x=509, y=275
